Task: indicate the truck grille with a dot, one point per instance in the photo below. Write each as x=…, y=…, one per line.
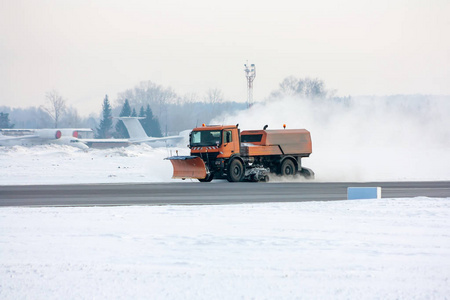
x=208, y=157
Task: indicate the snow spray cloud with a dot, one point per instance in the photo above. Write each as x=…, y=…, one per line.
x=364, y=138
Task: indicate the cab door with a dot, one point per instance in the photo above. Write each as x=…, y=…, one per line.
x=230, y=142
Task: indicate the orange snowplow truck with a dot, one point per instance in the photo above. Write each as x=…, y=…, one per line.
x=250, y=155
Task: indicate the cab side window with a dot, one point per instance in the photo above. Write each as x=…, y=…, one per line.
x=227, y=137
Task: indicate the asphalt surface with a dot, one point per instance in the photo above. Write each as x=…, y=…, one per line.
x=193, y=193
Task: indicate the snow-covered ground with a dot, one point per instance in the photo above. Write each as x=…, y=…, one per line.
x=57, y=164
x=371, y=249
x=360, y=249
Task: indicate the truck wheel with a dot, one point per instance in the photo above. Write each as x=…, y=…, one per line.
x=287, y=168
x=235, y=171
x=208, y=178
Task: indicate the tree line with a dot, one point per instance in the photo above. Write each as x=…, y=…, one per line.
x=164, y=112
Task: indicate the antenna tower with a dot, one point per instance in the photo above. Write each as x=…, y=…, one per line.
x=250, y=73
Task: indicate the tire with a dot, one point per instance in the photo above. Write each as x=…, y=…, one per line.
x=235, y=171
x=287, y=168
x=208, y=178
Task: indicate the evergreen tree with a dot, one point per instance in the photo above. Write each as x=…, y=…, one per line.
x=4, y=121
x=142, y=112
x=150, y=123
x=134, y=114
x=145, y=122
x=121, y=130
x=104, y=130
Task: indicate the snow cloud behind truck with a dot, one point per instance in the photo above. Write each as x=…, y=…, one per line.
x=403, y=137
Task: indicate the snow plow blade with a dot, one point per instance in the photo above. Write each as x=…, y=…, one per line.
x=188, y=167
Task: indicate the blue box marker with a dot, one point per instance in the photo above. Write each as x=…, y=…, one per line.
x=363, y=193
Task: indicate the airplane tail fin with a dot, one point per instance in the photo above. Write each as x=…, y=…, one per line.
x=134, y=127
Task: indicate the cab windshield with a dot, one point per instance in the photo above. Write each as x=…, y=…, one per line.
x=206, y=138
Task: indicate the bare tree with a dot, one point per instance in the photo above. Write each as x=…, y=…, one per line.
x=214, y=97
x=55, y=106
x=71, y=117
x=305, y=87
x=157, y=96
x=190, y=98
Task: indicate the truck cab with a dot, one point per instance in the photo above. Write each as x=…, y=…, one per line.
x=215, y=145
x=217, y=141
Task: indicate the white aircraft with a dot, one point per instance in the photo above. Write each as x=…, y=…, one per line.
x=137, y=135
x=31, y=137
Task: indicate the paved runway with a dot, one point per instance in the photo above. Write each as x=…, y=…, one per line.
x=193, y=193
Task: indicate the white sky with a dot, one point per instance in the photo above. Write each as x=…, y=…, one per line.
x=86, y=49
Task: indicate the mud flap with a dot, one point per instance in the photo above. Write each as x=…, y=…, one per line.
x=188, y=167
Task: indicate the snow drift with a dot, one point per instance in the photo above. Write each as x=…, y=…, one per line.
x=56, y=164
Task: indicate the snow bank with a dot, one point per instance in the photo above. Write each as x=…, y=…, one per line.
x=383, y=249
x=56, y=164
